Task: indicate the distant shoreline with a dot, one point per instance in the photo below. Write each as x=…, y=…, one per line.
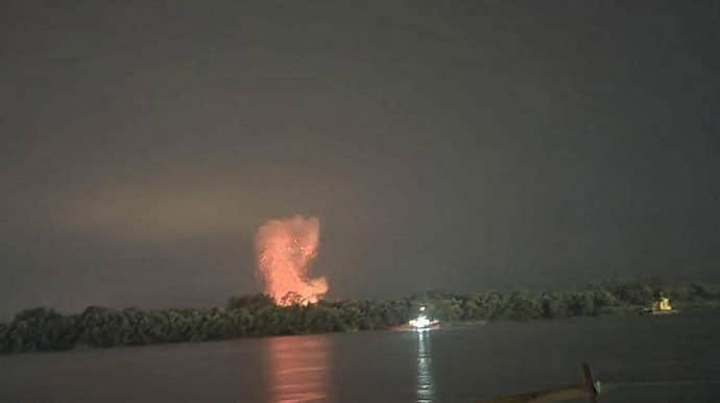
x=43, y=329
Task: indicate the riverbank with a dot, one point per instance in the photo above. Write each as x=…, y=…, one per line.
x=43, y=329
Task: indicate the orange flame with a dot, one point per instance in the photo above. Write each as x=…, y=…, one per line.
x=284, y=250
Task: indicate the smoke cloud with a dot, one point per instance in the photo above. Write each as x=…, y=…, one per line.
x=285, y=248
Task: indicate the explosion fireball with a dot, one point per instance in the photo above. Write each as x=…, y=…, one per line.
x=284, y=251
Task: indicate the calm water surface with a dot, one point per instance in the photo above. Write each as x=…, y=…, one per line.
x=648, y=359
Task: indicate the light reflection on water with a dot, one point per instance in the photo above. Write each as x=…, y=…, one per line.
x=389, y=366
x=298, y=369
x=425, y=387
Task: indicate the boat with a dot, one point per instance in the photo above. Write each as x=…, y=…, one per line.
x=661, y=307
x=422, y=322
x=588, y=389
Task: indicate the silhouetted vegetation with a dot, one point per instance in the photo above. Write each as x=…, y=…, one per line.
x=43, y=329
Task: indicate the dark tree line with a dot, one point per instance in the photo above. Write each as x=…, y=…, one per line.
x=43, y=329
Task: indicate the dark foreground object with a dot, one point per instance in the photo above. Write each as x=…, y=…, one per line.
x=589, y=388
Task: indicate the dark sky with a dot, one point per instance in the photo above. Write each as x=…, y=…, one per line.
x=442, y=145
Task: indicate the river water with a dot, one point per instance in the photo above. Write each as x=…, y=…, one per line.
x=638, y=359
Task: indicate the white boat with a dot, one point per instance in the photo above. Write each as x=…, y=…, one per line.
x=422, y=322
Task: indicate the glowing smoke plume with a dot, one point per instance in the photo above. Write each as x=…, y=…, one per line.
x=284, y=251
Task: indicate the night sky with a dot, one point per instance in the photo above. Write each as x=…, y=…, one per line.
x=443, y=145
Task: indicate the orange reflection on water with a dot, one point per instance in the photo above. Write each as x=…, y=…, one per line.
x=298, y=369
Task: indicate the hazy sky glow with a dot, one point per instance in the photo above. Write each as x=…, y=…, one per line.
x=443, y=145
